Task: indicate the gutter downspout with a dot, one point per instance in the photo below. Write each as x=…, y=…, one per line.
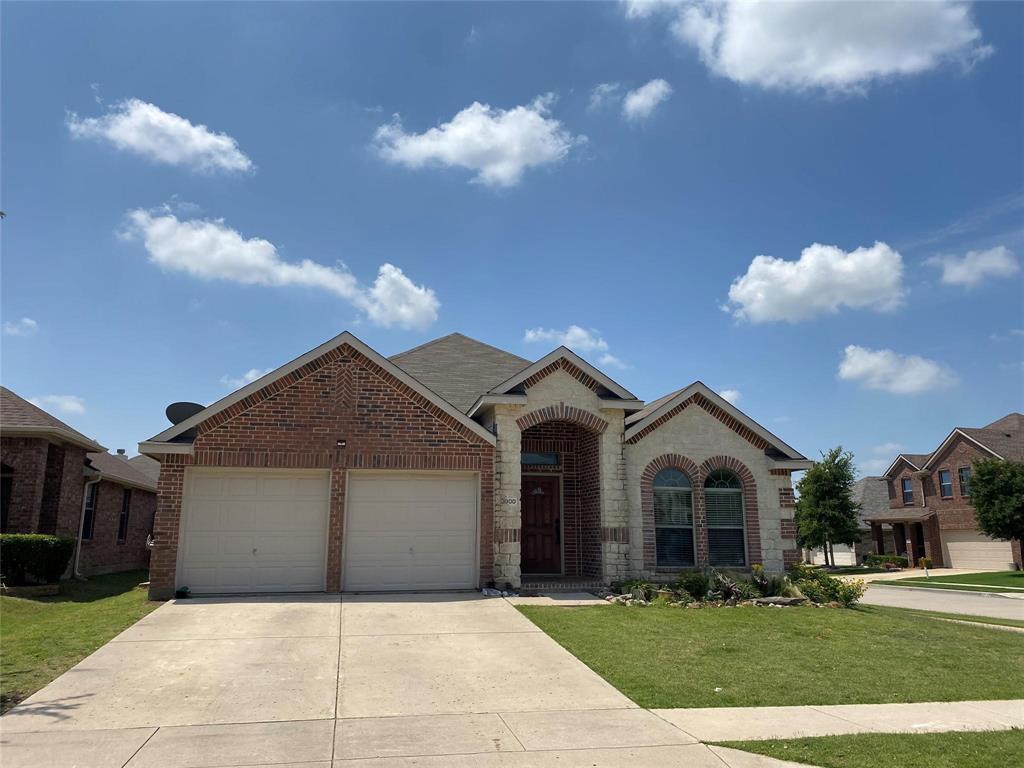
x=81, y=523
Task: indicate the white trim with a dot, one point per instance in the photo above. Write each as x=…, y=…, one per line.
x=796, y=465
x=151, y=448
x=284, y=370
x=572, y=357
x=624, y=405
x=485, y=400
x=897, y=460
x=942, y=447
x=54, y=434
x=701, y=388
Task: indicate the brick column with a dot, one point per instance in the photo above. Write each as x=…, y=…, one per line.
x=163, y=560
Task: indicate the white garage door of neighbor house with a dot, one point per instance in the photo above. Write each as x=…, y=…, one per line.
x=254, y=531
x=970, y=549
x=411, y=532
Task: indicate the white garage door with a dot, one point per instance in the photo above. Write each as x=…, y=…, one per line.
x=971, y=549
x=253, y=531
x=411, y=532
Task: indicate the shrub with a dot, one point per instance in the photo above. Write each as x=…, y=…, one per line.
x=879, y=561
x=693, y=583
x=44, y=558
x=726, y=587
x=767, y=585
x=818, y=587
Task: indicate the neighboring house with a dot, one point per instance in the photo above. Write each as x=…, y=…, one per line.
x=873, y=497
x=55, y=480
x=454, y=465
x=930, y=513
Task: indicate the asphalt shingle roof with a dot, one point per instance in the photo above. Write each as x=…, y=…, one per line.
x=147, y=466
x=459, y=368
x=872, y=493
x=16, y=411
x=118, y=468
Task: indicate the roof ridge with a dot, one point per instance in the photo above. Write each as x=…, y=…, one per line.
x=460, y=335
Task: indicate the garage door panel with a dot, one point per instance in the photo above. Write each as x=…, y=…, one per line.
x=411, y=532
x=974, y=550
x=254, y=531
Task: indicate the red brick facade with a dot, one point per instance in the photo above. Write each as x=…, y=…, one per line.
x=297, y=421
x=47, y=482
x=104, y=553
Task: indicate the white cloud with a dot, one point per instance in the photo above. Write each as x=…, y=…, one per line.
x=210, y=250
x=603, y=94
x=887, y=448
x=163, y=137
x=236, y=382
x=874, y=466
x=975, y=266
x=578, y=339
x=1017, y=331
x=836, y=46
x=824, y=279
x=890, y=371
x=731, y=395
x=26, y=326
x=63, y=403
x=641, y=103
x=498, y=145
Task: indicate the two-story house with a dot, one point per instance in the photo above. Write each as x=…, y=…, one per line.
x=930, y=513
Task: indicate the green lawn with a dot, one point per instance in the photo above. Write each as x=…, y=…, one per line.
x=988, y=749
x=992, y=581
x=677, y=657
x=43, y=637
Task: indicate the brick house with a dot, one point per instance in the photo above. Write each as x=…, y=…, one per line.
x=930, y=513
x=55, y=480
x=454, y=465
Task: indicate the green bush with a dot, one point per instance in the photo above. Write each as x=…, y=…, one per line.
x=880, y=561
x=638, y=589
x=693, y=583
x=818, y=587
x=44, y=558
x=767, y=584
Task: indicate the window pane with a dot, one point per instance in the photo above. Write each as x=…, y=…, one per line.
x=965, y=481
x=673, y=506
x=674, y=547
x=946, y=482
x=671, y=478
x=908, y=490
x=724, y=508
x=725, y=546
x=722, y=478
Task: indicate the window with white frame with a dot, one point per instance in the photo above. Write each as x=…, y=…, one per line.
x=965, y=480
x=908, y=491
x=673, y=519
x=723, y=504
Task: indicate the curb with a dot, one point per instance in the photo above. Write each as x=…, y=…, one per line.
x=954, y=591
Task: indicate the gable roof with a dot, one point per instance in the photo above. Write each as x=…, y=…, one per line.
x=147, y=466
x=649, y=415
x=872, y=493
x=164, y=442
x=1003, y=438
x=19, y=417
x=119, y=470
x=915, y=460
x=566, y=354
x=459, y=368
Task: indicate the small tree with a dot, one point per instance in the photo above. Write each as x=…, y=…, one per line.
x=826, y=513
x=997, y=493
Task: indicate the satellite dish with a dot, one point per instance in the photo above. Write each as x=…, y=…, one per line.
x=178, y=412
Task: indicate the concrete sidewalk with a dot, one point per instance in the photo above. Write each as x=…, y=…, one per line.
x=761, y=723
x=989, y=604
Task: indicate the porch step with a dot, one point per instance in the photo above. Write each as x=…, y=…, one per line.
x=534, y=587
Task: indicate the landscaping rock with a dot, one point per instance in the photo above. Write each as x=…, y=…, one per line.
x=779, y=601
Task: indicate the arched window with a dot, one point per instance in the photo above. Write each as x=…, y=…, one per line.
x=673, y=519
x=723, y=503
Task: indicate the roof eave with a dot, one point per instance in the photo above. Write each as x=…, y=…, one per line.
x=55, y=434
x=956, y=431
x=564, y=352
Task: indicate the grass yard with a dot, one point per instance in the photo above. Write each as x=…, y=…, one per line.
x=897, y=750
x=43, y=637
x=992, y=581
x=677, y=657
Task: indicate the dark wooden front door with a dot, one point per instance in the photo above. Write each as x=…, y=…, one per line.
x=542, y=525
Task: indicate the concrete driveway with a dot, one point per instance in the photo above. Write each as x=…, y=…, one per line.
x=321, y=681
x=947, y=601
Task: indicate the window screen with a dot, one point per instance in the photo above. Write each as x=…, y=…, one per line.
x=723, y=503
x=673, y=519
x=946, y=483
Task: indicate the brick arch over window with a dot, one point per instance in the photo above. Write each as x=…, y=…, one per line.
x=672, y=461
x=563, y=412
x=752, y=521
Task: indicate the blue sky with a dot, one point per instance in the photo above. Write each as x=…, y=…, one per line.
x=156, y=259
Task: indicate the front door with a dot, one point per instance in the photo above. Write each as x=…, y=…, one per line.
x=542, y=525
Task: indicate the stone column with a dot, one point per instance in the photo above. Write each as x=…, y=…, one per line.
x=507, y=497
x=615, y=544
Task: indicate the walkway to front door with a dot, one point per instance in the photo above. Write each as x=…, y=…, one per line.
x=542, y=525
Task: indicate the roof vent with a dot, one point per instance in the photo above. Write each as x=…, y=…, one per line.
x=178, y=412
x=120, y=451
